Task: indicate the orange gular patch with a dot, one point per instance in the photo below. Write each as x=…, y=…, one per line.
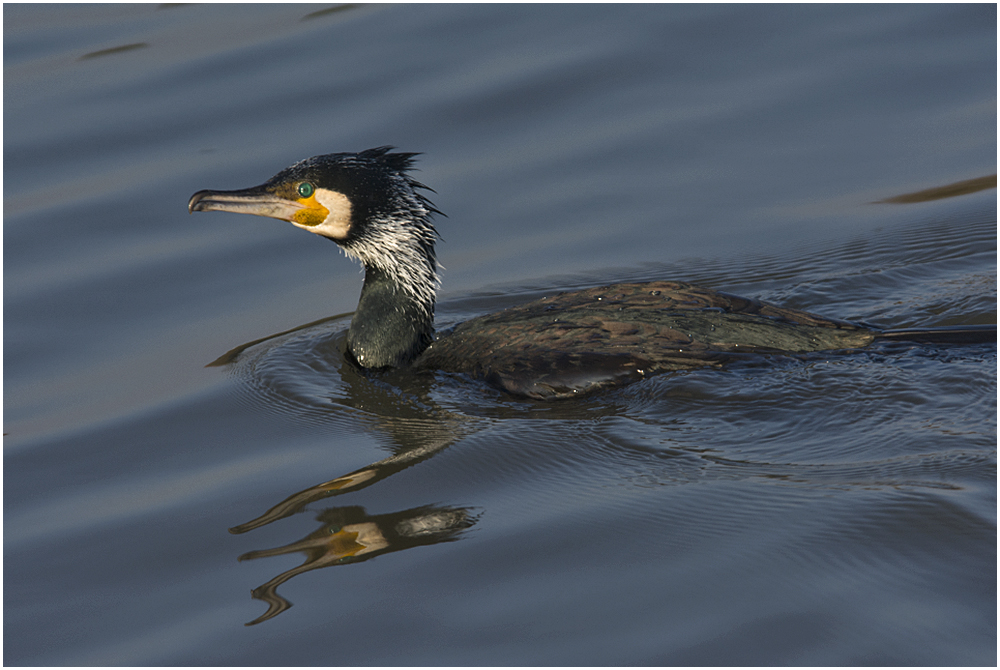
x=312, y=213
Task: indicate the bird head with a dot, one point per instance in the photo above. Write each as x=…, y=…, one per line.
x=333, y=195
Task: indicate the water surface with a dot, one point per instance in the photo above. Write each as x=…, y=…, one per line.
x=171, y=377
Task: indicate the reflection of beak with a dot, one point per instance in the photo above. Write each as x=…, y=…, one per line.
x=247, y=201
x=355, y=540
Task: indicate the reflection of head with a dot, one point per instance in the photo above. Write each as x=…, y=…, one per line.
x=349, y=535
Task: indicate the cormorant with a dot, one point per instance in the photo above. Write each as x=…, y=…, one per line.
x=559, y=346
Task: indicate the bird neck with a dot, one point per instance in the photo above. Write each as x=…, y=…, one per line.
x=390, y=327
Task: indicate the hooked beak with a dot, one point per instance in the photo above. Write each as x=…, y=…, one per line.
x=254, y=200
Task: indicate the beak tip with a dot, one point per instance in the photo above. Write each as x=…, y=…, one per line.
x=194, y=202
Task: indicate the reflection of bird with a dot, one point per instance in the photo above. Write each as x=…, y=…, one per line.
x=557, y=346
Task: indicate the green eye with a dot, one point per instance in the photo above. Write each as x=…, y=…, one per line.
x=306, y=189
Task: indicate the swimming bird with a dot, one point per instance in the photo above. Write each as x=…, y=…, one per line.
x=558, y=346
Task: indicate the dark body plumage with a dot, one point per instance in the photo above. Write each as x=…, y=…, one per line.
x=575, y=342
x=559, y=346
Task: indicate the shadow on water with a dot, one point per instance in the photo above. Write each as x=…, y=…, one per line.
x=941, y=192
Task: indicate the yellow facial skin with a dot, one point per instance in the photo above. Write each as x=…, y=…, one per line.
x=324, y=212
x=312, y=213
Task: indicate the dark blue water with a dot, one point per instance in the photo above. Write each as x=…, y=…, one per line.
x=170, y=377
